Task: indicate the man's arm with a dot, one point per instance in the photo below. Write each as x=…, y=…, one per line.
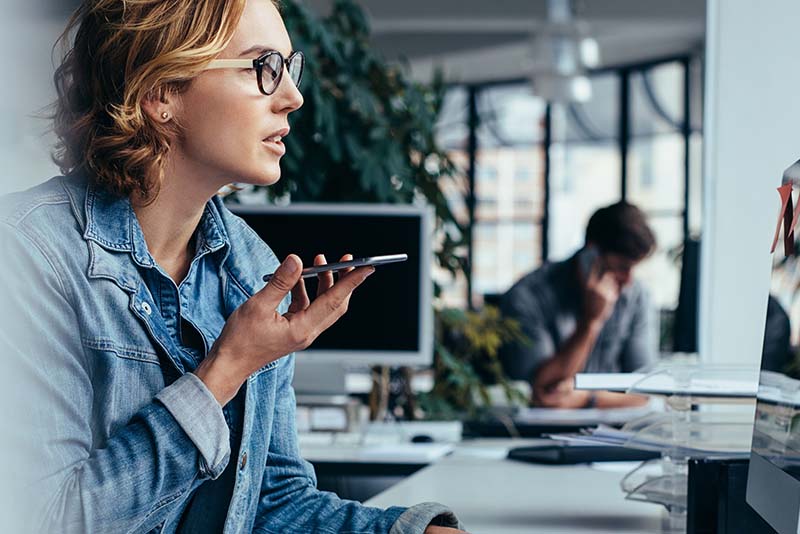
x=600, y=295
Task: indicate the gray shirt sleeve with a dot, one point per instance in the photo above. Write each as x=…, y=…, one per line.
x=641, y=347
x=521, y=361
x=417, y=518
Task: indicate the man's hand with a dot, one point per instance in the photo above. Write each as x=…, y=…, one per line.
x=444, y=530
x=562, y=395
x=600, y=295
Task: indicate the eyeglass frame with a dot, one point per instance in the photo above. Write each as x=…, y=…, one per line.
x=258, y=65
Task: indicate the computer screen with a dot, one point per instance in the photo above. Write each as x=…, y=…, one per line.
x=390, y=317
x=773, y=484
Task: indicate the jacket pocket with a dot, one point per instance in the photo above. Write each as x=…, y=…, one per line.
x=138, y=353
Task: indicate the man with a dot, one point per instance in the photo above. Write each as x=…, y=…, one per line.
x=585, y=314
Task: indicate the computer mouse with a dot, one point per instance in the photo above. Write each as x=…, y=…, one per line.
x=422, y=438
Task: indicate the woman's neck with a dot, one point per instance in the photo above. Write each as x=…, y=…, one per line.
x=169, y=222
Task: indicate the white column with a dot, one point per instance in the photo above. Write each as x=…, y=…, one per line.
x=752, y=133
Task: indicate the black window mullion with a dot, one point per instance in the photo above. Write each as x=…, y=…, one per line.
x=687, y=132
x=624, y=129
x=546, y=208
x=472, y=148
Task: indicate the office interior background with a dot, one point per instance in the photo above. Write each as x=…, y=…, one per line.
x=530, y=172
x=692, y=117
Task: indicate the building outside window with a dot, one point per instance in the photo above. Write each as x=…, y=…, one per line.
x=630, y=141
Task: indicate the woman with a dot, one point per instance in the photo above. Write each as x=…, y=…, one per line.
x=150, y=388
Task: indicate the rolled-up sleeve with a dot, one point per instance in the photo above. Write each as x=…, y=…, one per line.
x=419, y=517
x=522, y=360
x=64, y=480
x=200, y=416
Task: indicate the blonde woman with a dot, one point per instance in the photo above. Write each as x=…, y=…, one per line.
x=150, y=385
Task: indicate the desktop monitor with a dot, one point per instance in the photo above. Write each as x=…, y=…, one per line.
x=390, y=317
x=773, y=483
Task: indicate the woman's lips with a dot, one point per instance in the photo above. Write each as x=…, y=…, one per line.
x=275, y=144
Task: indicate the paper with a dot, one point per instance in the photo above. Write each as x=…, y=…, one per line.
x=579, y=417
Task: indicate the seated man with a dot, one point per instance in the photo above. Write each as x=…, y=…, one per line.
x=586, y=314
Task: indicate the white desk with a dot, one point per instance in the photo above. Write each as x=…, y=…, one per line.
x=492, y=495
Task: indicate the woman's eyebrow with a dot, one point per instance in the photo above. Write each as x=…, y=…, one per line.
x=261, y=49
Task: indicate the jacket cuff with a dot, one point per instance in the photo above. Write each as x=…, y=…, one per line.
x=419, y=517
x=200, y=416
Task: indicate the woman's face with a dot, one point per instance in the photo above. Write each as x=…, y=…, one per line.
x=228, y=126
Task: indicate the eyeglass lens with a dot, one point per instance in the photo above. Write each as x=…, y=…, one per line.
x=272, y=70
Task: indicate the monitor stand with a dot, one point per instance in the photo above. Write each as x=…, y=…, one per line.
x=319, y=378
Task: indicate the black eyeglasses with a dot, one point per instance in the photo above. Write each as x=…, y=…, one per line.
x=268, y=67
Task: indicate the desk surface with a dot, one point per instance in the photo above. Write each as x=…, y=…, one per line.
x=496, y=496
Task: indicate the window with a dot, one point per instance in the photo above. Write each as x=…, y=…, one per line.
x=584, y=164
x=629, y=141
x=509, y=187
x=656, y=175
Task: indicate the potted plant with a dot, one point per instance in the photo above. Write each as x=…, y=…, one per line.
x=366, y=133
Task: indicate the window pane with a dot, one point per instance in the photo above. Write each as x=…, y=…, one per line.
x=504, y=252
x=657, y=100
x=661, y=272
x=656, y=172
x=656, y=150
x=451, y=134
x=509, y=187
x=510, y=115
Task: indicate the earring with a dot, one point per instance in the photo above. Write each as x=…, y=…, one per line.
x=165, y=115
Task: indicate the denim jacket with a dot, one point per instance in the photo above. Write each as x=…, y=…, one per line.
x=104, y=429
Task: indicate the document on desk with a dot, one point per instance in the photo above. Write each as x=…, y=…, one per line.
x=665, y=384
x=408, y=452
x=580, y=417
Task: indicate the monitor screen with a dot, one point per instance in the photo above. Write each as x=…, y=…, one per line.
x=773, y=485
x=389, y=319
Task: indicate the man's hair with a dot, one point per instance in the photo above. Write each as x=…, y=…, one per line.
x=123, y=52
x=621, y=228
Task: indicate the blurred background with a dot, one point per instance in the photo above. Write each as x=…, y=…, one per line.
x=534, y=154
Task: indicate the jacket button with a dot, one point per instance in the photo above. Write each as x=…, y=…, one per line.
x=146, y=308
x=243, y=463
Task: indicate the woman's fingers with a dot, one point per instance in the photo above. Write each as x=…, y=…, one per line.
x=325, y=279
x=328, y=308
x=300, y=300
x=346, y=257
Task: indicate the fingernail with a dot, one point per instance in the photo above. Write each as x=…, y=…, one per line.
x=324, y=259
x=371, y=270
x=290, y=265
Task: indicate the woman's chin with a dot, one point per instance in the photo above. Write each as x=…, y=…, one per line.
x=264, y=179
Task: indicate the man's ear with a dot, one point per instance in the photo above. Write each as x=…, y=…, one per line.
x=160, y=105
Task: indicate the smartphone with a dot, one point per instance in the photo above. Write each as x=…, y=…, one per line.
x=586, y=261
x=339, y=266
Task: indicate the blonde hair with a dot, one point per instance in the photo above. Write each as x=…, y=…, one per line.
x=126, y=51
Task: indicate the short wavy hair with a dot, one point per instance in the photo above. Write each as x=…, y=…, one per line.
x=125, y=51
x=621, y=228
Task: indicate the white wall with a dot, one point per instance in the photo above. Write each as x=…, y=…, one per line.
x=752, y=120
x=27, y=37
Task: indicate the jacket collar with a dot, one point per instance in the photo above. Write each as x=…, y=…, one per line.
x=113, y=234
x=112, y=224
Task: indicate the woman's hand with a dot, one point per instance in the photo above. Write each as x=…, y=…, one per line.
x=256, y=334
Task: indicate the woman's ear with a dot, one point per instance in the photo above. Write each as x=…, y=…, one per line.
x=160, y=105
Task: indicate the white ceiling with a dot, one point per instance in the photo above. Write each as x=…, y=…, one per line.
x=457, y=35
